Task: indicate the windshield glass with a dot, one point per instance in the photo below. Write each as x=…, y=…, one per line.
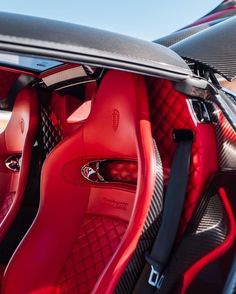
x=31, y=63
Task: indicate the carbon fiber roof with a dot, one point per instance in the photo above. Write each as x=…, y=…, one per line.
x=39, y=36
x=214, y=47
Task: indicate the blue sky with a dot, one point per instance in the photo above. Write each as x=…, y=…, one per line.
x=146, y=19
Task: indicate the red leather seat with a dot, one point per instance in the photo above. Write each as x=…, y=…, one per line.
x=170, y=110
x=86, y=231
x=61, y=107
x=16, y=142
x=61, y=115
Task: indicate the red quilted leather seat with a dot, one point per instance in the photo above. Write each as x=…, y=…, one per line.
x=170, y=110
x=16, y=143
x=86, y=230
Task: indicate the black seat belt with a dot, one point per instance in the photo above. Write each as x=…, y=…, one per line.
x=230, y=285
x=151, y=280
x=20, y=83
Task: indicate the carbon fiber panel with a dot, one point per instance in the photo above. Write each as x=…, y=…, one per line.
x=183, y=34
x=226, y=143
x=151, y=227
x=206, y=231
x=213, y=47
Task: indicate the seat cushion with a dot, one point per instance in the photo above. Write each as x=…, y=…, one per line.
x=96, y=243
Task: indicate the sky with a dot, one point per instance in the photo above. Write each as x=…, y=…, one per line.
x=145, y=19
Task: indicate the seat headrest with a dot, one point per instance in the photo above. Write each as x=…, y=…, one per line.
x=23, y=120
x=111, y=125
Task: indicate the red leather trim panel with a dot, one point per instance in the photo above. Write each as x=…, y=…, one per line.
x=216, y=253
x=112, y=202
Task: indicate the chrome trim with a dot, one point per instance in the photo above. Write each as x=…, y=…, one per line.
x=13, y=163
x=91, y=170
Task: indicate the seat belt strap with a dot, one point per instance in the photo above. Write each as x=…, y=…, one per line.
x=173, y=206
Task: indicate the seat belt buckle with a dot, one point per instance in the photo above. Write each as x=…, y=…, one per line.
x=155, y=279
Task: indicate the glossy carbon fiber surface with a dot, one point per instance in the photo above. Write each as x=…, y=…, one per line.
x=213, y=47
x=226, y=143
x=184, y=33
x=206, y=231
x=151, y=227
x=33, y=35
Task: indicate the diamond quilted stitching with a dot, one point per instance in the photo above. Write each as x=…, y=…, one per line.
x=169, y=111
x=52, y=135
x=121, y=171
x=96, y=243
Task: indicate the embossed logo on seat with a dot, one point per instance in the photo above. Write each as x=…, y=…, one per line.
x=115, y=204
x=115, y=119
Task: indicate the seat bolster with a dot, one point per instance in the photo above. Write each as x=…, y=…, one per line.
x=17, y=139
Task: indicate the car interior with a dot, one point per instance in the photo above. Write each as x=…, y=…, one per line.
x=86, y=156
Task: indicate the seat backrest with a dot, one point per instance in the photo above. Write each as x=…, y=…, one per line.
x=62, y=114
x=170, y=110
x=16, y=143
x=7, y=79
x=54, y=110
x=87, y=226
